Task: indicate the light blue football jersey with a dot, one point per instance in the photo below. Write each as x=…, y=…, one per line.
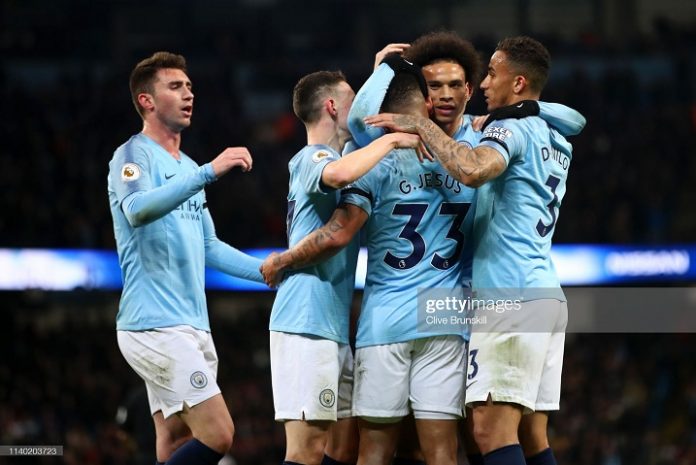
x=414, y=240
x=315, y=300
x=164, y=237
x=516, y=212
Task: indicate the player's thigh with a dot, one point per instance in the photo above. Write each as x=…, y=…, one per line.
x=381, y=389
x=437, y=378
x=305, y=374
x=343, y=439
x=210, y=421
x=171, y=434
x=178, y=365
x=439, y=440
x=378, y=440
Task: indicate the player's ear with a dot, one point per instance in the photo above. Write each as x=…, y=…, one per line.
x=429, y=104
x=519, y=84
x=146, y=101
x=330, y=107
x=469, y=90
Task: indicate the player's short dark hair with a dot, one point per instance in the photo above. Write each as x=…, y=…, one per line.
x=142, y=78
x=529, y=58
x=403, y=93
x=446, y=46
x=311, y=90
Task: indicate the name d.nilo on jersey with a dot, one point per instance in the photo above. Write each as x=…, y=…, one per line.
x=555, y=155
x=430, y=179
x=190, y=210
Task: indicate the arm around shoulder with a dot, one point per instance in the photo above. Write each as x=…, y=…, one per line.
x=350, y=167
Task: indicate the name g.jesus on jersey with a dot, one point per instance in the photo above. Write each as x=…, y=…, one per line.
x=429, y=180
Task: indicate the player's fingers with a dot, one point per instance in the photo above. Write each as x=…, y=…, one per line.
x=377, y=120
x=426, y=153
x=396, y=48
x=419, y=154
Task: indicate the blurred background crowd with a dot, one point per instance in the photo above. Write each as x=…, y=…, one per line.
x=628, y=65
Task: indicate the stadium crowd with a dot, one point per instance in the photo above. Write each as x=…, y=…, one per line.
x=631, y=166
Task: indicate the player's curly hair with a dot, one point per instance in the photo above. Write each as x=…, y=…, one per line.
x=309, y=92
x=142, y=77
x=529, y=58
x=446, y=45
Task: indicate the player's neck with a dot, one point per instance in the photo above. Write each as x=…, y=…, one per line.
x=324, y=133
x=451, y=128
x=516, y=98
x=165, y=137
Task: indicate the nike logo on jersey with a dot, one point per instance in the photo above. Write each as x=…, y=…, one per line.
x=169, y=176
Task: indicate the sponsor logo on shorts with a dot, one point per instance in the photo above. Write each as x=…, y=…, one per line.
x=199, y=380
x=130, y=172
x=327, y=398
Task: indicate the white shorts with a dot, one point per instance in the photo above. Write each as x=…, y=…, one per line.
x=312, y=377
x=523, y=368
x=425, y=376
x=177, y=363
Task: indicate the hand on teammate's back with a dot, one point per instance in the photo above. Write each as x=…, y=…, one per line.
x=405, y=140
x=230, y=158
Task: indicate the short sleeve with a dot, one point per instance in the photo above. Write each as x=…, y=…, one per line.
x=363, y=191
x=311, y=167
x=505, y=136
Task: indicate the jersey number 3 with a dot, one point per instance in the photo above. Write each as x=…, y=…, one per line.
x=544, y=229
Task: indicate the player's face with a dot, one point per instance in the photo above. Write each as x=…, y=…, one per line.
x=448, y=90
x=498, y=86
x=173, y=99
x=343, y=99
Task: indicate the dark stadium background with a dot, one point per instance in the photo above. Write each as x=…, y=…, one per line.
x=628, y=65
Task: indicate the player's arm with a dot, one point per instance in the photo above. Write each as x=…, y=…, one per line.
x=566, y=120
x=472, y=167
x=348, y=168
x=223, y=257
x=395, y=47
x=321, y=244
x=143, y=204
